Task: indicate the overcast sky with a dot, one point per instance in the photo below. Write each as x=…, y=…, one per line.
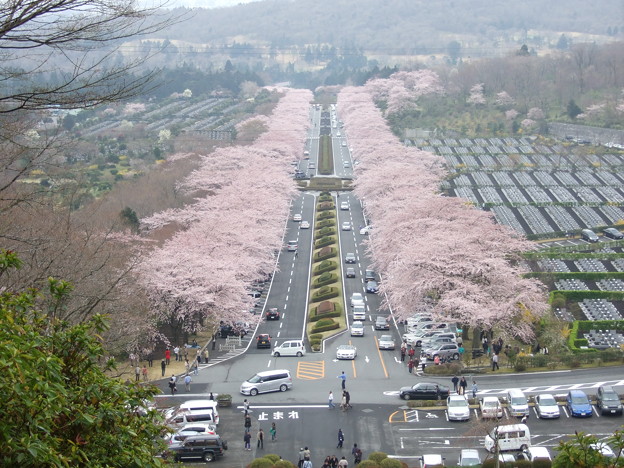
x=206, y=3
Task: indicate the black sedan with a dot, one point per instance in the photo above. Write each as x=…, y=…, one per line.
x=372, y=287
x=273, y=314
x=613, y=233
x=424, y=391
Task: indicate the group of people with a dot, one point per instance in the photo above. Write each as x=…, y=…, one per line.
x=410, y=353
x=192, y=367
x=460, y=386
x=260, y=433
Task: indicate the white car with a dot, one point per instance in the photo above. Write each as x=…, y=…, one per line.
x=344, y=143
x=190, y=429
x=469, y=457
x=346, y=226
x=297, y=217
x=386, y=342
x=346, y=352
x=431, y=460
x=346, y=164
x=457, y=408
x=357, y=328
x=546, y=406
x=344, y=205
x=305, y=225
x=365, y=230
x=491, y=407
x=603, y=448
x=535, y=453
x=357, y=299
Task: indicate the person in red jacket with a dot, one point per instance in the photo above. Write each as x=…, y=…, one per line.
x=167, y=356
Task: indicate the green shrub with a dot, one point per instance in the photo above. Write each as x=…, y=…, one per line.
x=520, y=366
x=325, y=205
x=315, y=336
x=324, y=242
x=325, y=253
x=261, y=463
x=377, y=457
x=324, y=279
x=316, y=343
x=317, y=313
x=329, y=214
x=390, y=463
x=326, y=231
x=325, y=265
x=369, y=464
x=283, y=464
x=272, y=456
x=324, y=293
x=325, y=223
x=324, y=325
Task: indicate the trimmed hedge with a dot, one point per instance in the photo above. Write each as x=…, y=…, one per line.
x=325, y=205
x=329, y=214
x=581, y=275
x=324, y=279
x=325, y=265
x=325, y=253
x=325, y=223
x=325, y=231
x=325, y=325
x=324, y=293
x=315, y=316
x=324, y=242
x=578, y=296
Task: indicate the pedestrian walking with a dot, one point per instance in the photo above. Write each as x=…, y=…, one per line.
x=331, y=400
x=357, y=454
x=247, y=423
x=150, y=359
x=132, y=358
x=484, y=344
x=455, y=381
x=176, y=351
x=163, y=367
x=343, y=401
x=411, y=352
x=495, y=362
x=410, y=365
x=273, y=432
x=347, y=399
x=187, y=366
x=260, y=438
x=403, y=350
x=144, y=372
x=195, y=368
x=475, y=389
x=462, y=385
x=187, y=382
x=423, y=365
x=333, y=461
x=172, y=385
x=137, y=373
x=167, y=356
x=247, y=440
x=327, y=462
x=246, y=406
x=211, y=397
x=205, y=353
x=340, y=438
x=437, y=390
x=343, y=463
x=307, y=464
x=307, y=455
x=300, y=463
x=343, y=377
x=296, y=253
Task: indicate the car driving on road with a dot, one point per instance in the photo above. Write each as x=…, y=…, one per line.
x=357, y=299
x=350, y=273
x=381, y=323
x=273, y=314
x=346, y=352
x=357, y=328
x=344, y=205
x=424, y=391
x=350, y=258
x=297, y=217
x=372, y=287
x=346, y=226
x=386, y=342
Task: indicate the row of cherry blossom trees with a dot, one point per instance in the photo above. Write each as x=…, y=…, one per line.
x=228, y=236
x=436, y=253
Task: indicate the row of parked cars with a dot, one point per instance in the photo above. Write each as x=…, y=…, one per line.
x=194, y=432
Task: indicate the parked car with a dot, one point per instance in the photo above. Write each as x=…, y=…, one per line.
x=365, y=230
x=535, y=453
x=603, y=448
x=263, y=341
x=357, y=328
x=457, y=408
x=608, y=400
x=386, y=342
x=350, y=273
x=305, y=225
x=613, y=233
x=431, y=460
x=578, y=404
x=469, y=457
x=546, y=406
x=190, y=429
x=445, y=351
x=350, y=258
x=357, y=299
x=491, y=407
x=372, y=287
x=207, y=447
x=273, y=314
x=381, y=323
x=346, y=351
x=424, y=391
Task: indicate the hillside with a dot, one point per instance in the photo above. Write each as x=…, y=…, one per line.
x=404, y=27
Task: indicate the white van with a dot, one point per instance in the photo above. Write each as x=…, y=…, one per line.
x=289, y=348
x=517, y=403
x=510, y=437
x=195, y=405
x=268, y=381
x=359, y=312
x=182, y=417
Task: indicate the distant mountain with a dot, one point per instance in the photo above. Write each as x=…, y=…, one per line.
x=385, y=29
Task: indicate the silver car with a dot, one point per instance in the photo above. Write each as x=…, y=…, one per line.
x=386, y=342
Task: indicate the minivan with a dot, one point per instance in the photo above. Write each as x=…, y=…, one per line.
x=359, y=312
x=517, y=403
x=289, y=348
x=589, y=235
x=196, y=405
x=509, y=437
x=181, y=417
x=267, y=381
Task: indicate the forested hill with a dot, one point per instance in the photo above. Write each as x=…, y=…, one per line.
x=482, y=27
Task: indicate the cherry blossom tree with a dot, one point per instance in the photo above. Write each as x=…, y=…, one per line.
x=401, y=90
x=476, y=95
x=535, y=113
x=436, y=253
x=503, y=99
x=226, y=238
